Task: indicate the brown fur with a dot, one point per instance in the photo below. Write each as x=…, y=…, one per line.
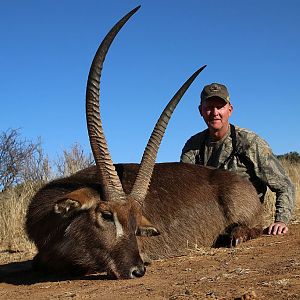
x=188, y=204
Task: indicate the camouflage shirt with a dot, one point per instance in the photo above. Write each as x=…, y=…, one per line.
x=261, y=166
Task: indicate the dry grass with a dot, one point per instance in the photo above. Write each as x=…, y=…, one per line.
x=13, y=206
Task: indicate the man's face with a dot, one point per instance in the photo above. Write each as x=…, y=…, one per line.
x=216, y=112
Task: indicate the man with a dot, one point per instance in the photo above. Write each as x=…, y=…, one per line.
x=225, y=146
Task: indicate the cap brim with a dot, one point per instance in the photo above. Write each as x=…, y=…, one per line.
x=216, y=96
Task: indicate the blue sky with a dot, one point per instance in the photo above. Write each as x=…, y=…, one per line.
x=47, y=46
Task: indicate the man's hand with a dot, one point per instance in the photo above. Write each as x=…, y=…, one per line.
x=278, y=228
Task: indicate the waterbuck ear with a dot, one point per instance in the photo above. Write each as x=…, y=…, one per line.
x=81, y=199
x=145, y=228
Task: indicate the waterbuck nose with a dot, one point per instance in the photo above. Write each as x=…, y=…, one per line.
x=138, y=271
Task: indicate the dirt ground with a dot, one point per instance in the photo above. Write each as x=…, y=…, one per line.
x=265, y=268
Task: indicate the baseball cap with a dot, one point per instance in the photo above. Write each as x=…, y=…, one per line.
x=215, y=90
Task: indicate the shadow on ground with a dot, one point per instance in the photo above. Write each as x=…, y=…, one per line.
x=21, y=273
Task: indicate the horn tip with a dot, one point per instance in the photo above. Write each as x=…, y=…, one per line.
x=137, y=8
x=203, y=67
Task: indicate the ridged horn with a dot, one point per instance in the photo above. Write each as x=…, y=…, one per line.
x=112, y=187
x=143, y=178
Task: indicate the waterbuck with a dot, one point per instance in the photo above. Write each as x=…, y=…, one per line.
x=102, y=218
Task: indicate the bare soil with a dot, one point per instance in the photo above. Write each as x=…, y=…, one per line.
x=265, y=268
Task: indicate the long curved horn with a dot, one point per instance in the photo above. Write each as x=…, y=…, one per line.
x=143, y=178
x=112, y=187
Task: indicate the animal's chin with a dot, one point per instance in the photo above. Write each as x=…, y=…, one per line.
x=111, y=275
x=114, y=276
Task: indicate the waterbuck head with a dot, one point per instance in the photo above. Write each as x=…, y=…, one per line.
x=116, y=218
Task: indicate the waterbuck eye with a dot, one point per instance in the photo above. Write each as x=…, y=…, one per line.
x=107, y=216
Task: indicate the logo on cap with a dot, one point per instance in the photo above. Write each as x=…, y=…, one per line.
x=214, y=88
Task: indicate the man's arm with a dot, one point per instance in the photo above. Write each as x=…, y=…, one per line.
x=188, y=157
x=191, y=148
x=269, y=169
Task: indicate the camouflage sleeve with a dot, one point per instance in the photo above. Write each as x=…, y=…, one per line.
x=188, y=157
x=191, y=149
x=270, y=171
